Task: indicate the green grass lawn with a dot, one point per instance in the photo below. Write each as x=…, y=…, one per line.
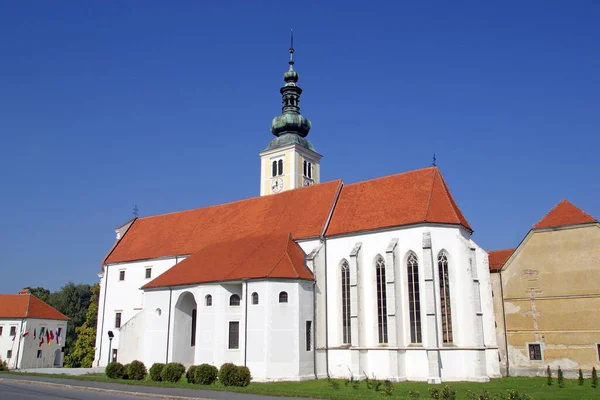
x=534, y=387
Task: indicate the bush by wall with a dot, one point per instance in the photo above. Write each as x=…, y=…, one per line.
x=172, y=372
x=190, y=375
x=3, y=365
x=232, y=375
x=126, y=369
x=115, y=370
x=155, y=371
x=206, y=374
x=136, y=370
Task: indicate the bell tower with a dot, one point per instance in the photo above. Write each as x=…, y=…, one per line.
x=290, y=160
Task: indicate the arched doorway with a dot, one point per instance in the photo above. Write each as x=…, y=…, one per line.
x=57, y=358
x=184, y=329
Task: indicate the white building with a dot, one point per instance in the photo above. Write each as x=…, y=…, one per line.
x=32, y=334
x=379, y=277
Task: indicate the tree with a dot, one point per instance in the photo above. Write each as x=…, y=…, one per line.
x=82, y=354
x=39, y=292
x=73, y=301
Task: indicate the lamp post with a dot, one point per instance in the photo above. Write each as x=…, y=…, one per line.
x=110, y=338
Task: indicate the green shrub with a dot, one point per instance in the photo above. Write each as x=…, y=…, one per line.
x=580, y=378
x=115, y=370
x=388, y=388
x=206, y=374
x=414, y=395
x=3, y=365
x=434, y=393
x=226, y=374
x=136, y=370
x=126, y=369
x=172, y=372
x=155, y=371
x=549, y=376
x=594, y=378
x=448, y=393
x=190, y=375
x=243, y=376
x=560, y=379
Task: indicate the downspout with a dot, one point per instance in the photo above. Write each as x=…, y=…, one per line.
x=326, y=315
x=315, y=328
x=504, y=319
x=103, y=314
x=168, y=325
x=246, y=324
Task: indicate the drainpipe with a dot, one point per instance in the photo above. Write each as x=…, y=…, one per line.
x=315, y=327
x=168, y=326
x=103, y=314
x=245, y=323
x=326, y=313
x=504, y=319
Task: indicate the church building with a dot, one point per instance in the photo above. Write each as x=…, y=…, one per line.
x=311, y=279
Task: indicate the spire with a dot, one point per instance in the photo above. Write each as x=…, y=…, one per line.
x=290, y=121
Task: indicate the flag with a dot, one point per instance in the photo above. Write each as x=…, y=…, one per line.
x=47, y=336
x=51, y=335
x=26, y=334
x=57, y=336
x=13, y=339
x=34, y=337
x=42, y=331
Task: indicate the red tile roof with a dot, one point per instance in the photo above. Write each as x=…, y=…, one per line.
x=266, y=256
x=497, y=258
x=27, y=306
x=396, y=200
x=564, y=214
x=302, y=212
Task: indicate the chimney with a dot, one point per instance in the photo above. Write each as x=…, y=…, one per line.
x=24, y=291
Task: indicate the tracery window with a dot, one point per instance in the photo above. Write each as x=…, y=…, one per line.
x=234, y=300
x=381, y=301
x=346, y=335
x=414, y=299
x=445, y=298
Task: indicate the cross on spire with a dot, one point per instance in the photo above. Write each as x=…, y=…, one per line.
x=136, y=211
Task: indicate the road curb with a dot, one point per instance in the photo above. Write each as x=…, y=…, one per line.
x=112, y=391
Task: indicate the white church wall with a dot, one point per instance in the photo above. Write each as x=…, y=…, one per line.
x=306, y=353
x=257, y=358
x=448, y=238
x=124, y=296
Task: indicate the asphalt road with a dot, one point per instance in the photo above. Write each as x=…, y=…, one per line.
x=35, y=392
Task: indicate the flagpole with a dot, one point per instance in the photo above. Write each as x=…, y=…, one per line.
x=19, y=345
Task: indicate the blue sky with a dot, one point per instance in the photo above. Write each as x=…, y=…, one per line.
x=108, y=104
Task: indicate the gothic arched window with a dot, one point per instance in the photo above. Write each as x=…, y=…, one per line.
x=283, y=297
x=234, y=300
x=381, y=301
x=445, y=298
x=274, y=171
x=346, y=336
x=305, y=165
x=310, y=170
x=208, y=300
x=254, y=298
x=280, y=167
x=414, y=299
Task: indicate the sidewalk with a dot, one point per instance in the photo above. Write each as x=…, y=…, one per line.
x=137, y=390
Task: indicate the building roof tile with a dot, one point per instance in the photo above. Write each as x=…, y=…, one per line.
x=396, y=200
x=564, y=214
x=302, y=212
x=27, y=306
x=253, y=257
x=497, y=258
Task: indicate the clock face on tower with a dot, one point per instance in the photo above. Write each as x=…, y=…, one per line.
x=307, y=182
x=277, y=185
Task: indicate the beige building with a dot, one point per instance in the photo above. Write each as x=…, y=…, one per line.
x=546, y=296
